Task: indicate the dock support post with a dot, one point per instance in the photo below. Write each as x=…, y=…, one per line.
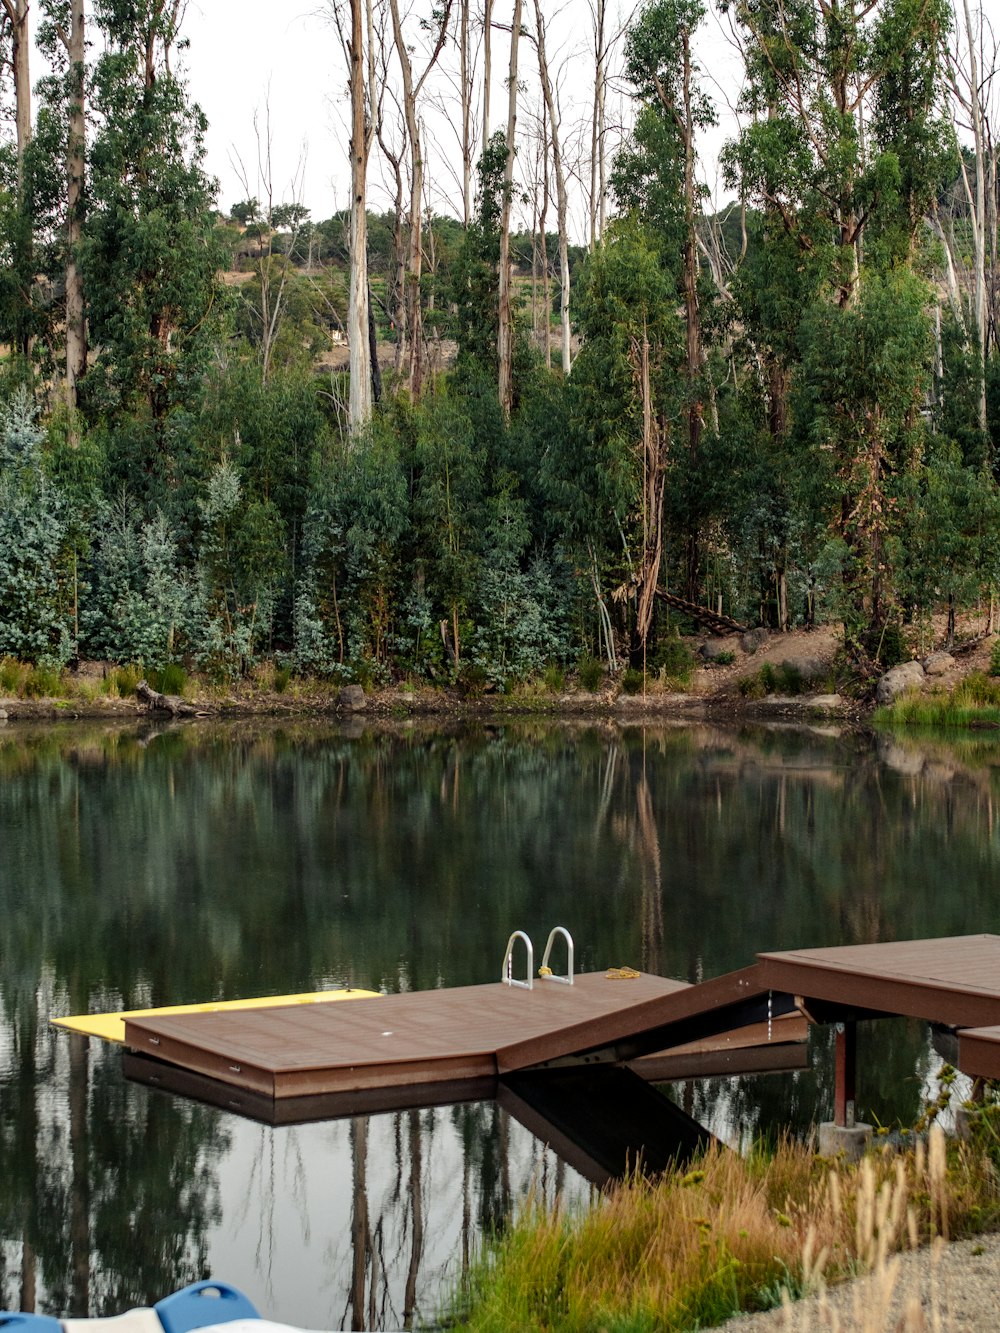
x=844, y=1136
x=845, y=1075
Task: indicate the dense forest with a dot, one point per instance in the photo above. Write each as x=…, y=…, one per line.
x=787, y=410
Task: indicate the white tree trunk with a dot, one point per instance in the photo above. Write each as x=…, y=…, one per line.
x=562, y=203
x=357, y=316
x=505, y=332
x=979, y=228
x=17, y=17
x=76, y=323
x=487, y=68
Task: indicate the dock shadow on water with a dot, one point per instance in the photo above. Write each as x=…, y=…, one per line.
x=221, y=861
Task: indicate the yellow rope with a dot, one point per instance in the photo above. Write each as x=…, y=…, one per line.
x=622, y=974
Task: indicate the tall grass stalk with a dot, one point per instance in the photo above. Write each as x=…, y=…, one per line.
x=691, y=1249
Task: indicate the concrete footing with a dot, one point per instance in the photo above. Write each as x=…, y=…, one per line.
x=839, y=1141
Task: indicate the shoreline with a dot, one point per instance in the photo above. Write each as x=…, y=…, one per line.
x=392, y=704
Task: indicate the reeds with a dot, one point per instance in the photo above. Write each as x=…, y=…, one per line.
x=693, y=1248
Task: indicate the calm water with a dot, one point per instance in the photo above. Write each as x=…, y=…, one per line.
x=220, y=861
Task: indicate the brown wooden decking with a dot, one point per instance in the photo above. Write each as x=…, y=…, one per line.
x=418, y=1037
x=953, y=981
x=481, y=1032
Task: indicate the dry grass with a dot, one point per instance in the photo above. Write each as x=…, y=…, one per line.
x=690, y=1250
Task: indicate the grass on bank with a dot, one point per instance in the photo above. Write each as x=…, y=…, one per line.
x=693, y=1248
x=21, y=680
x=974, y=702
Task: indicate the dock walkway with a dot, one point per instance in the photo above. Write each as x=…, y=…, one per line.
x=476, y=1033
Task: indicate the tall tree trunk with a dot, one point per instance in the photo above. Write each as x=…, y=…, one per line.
x=76, y=321
x=17, y=17
x=692, y=315
x=562, y=201
x=487, y=68
x=357, y=316
x=505, y=334
x=411, y=92
x=598, y=182
x=465, y=74
x=979, y=220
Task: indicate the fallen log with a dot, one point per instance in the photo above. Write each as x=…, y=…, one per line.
x=167, y=703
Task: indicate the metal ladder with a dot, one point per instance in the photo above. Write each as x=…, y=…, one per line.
x=545, y=973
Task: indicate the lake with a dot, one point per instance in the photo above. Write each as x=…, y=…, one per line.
x=146, y=866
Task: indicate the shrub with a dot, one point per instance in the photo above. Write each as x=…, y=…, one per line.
x=43, y=682
x=170, y=679
x=554, y=678
x=473, y=680
x=995, y=658
x=122, y=681
x=590, y=671
x=632, y=681
x=783, y=678
x=726, y=658
x=12, y=675
x=751, y=687
x=674, y=659
x=282, y=676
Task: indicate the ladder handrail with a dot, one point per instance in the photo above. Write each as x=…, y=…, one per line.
x=547, y=975
x=506, y=971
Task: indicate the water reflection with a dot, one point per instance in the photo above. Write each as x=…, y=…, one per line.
x=156, y=866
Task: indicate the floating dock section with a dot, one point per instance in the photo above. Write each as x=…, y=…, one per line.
x=421, y=1046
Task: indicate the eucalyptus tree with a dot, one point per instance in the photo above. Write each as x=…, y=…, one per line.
x=63, y=40
x=412, y=87
x=846, y=148
x=356, y=34
x=14, y=16
x=562, y=194
x=505, y=319
x=150, y=251
x=35, y=601
x=655, y=179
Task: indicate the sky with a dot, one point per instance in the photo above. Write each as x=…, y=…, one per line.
x=254, y=58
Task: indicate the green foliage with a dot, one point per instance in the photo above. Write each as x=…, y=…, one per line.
x=674, y=658
x=43, y=682
x=773, y=678
x=632, y=681
x=35, y=601
x=591, y=673
x=975, y=702
x=151, y=252
x=122, y=680
x=995, y=658
x=169, y=679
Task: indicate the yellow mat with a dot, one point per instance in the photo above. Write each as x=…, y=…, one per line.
x=111, y=1027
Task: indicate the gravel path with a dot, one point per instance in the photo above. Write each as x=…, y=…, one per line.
x=952, y=1288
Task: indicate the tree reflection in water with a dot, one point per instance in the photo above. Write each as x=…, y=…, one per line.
x=150, y=868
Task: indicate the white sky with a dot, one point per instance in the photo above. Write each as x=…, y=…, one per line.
x=245, y=54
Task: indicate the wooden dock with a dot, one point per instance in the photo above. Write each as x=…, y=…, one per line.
x=413, y=1039
x=417, y=1045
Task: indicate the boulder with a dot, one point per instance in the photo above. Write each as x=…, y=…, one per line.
x=824, y=703
x=897, y=680
x=351, y=699
x=754, y=639
x=938, y=663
